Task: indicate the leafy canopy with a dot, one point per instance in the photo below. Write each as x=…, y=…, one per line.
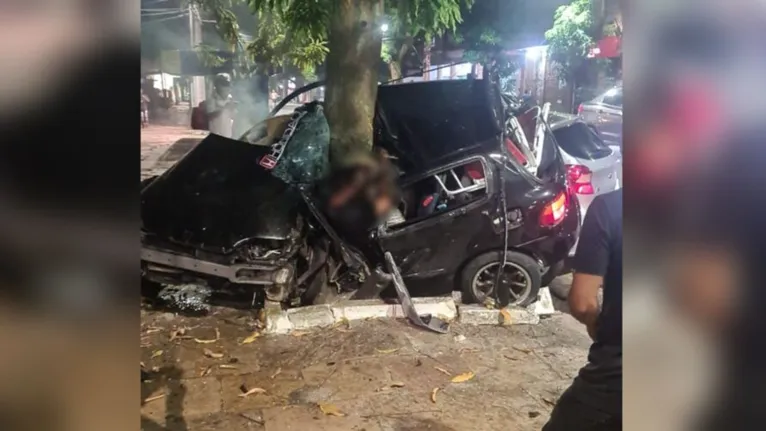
x=569, y=39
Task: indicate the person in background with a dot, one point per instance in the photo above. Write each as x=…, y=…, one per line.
x=144, y=109
x=220, y=107
x=594, y=400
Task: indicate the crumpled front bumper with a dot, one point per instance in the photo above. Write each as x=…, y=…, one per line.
x=256, y=274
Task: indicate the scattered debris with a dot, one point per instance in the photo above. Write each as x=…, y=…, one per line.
x=155, y=398
x=251, y=391
x=387, y=351
x=533, y=414
x=206, y=371
x=419, y=363
x=510, y=357
x=522, y=349
x=506, y=316
x=217, y=337
x=299, y=333
x=330, y=410
x=460, y=378
x=152, y=331
x=186, y=297
x=469, y=350
x=251, y=338
x=155, y=369
x=279, y=370
x=433, y=394
x=397, y=384
x=459, y=338
x=233, y=360
x=156, y=354
x=443, y=371
x=142, y=365
x=258, y=419
x=549, y=401
x=227, y=367
x=210, y=354
x=178, y=333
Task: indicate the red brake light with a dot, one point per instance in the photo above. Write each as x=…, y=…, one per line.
x=554, y=212
x=579, y=179
x=579, y=109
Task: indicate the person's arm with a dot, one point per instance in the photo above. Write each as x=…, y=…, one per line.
x=590, y=265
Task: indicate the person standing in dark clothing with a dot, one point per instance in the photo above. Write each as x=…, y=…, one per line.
x=594, y=400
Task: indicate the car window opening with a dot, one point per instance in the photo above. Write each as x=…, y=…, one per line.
x=440, y=193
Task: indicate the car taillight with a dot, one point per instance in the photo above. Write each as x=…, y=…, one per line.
x=579, y=109
x=579, y=179
x=554, y=212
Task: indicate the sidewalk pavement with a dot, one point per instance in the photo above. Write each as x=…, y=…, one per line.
x=155, y=140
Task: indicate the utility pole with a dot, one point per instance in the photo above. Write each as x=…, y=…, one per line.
x=195, y=38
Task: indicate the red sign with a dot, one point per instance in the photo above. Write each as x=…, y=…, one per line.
x=608, y=47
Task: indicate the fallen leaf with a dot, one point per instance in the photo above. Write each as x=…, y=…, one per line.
x=156, y=354
x=228, y=367
x=442, y=370
x=142, y=365
x=152, y=331
x=460, y=378
x=387, y=351
x=549, y=401
x=279, y=370
x=155, y=369
x=217, y=337
x=522, y=350
x=253, y=391
x=330, y=410
x=206, y=371
x=251, y=338
x=510, y=357
x=210, y=354
x=177, y=333
x=148, y=400
x=299, y=333
x=397, y=384
x=433, y=394
x=506, y=316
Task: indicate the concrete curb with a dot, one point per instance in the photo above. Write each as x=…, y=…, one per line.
x=445, y=308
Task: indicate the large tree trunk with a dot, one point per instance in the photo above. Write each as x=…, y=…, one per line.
x=352, y=77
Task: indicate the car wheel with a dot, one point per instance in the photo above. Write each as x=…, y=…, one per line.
x=521, y=272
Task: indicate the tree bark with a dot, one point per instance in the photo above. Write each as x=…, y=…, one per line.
x=395, y=69
x=352, y=77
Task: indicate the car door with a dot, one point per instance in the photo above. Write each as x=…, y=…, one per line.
x=436, y=244
x=610, y=116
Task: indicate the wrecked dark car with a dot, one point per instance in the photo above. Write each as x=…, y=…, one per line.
x=250, y=212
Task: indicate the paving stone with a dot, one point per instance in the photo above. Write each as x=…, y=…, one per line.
x=277, y=322
x=544, y=305
x=306, y=417
x=441, y=307
x=361, y=310
x=479, y=315
x=313, y=316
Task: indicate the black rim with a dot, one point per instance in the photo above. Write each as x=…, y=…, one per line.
x=513, y=275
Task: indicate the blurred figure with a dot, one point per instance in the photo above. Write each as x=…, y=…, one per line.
x=220, y=107
x=144, y=109
x=594, y=400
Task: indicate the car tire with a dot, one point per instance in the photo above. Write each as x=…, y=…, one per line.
x=521, y=263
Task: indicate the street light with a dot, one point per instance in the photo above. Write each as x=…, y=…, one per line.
x=535, y=52
x=384, y=27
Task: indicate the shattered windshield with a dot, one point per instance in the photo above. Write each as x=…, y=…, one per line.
x=299, y=145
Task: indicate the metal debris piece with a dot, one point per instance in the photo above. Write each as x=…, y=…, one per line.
x=186, y=297
x=427, y=321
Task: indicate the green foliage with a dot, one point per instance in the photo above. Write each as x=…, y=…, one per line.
x=569, y=39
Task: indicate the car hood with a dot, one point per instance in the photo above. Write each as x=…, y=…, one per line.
x=218, y=196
